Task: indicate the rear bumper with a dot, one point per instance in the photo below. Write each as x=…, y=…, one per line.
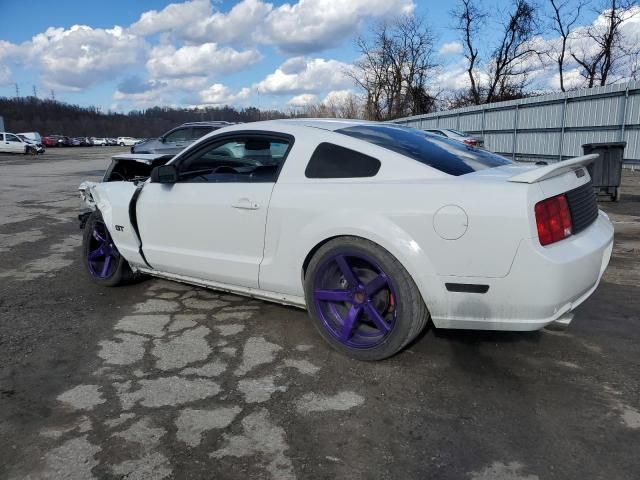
x=544, y=284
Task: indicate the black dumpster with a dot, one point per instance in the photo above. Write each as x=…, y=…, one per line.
x=606, y=171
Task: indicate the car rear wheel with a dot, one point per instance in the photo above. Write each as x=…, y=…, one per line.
x=362, y=300
x=101, y=257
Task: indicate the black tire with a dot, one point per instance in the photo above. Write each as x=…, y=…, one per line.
x=30, y=151
x=412, y=313
x=122, y=144
x=121, y=273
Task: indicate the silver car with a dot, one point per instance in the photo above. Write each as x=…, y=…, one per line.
x=177, y=139
x=457, y=135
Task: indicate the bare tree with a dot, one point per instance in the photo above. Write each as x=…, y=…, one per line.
x=469, y=19
x=509, y=62
x=395, y=67
x=506, y=65
x=602, y=50
x=349, y=106
x=565, y=15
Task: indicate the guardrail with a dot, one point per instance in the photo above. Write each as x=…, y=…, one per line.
x=549, y=127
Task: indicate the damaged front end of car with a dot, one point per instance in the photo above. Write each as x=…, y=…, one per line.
x=131, y=168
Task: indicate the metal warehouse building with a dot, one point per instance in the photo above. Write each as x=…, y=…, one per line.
x=549, y=127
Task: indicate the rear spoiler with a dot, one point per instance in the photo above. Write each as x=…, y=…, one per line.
x=555, y=169
x=147, y=158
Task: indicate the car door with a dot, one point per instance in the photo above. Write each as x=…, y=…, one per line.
x=175, y=141
x=13, y=144
x=210, y=224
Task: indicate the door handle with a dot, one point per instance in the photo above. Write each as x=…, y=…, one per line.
x=245, y=204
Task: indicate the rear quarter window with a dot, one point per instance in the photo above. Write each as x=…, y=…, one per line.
x=444, y=154
x=333, y=161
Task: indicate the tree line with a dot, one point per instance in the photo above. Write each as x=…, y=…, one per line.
x=49, y=117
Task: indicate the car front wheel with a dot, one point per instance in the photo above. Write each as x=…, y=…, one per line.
x=101, y=257
x=362, y=300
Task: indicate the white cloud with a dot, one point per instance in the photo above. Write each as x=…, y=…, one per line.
x=303, y=100
x=218, y=94
x=175, y=16
x=451, y=48
x=303, y=27
x=81, y=56
x=136, y=92
x=310, y=25
x=5, y=75
x=302, y=75
x=206, y=59
x=338, y=97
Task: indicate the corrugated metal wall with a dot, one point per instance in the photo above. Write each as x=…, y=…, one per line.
x=549, y=127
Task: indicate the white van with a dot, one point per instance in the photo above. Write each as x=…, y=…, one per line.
x=33, y=136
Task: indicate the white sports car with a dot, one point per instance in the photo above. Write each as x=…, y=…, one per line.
x=374, y=228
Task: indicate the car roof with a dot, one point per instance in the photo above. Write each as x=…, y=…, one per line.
x=330, y=124
x=211, y=123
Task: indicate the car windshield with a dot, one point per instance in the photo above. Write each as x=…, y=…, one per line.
x=457, y=132
x=448, y=156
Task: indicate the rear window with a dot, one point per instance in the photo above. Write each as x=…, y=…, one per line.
x=447, y=155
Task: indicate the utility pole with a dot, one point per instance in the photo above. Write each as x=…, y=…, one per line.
x=17, y=90
x=35, y=91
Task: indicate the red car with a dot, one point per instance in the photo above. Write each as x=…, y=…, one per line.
x=50, y=141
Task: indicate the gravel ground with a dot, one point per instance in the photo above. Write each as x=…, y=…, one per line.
x=162, y=380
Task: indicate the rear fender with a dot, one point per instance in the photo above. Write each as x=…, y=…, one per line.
x=290, y=254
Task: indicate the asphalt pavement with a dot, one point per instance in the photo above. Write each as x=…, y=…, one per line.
x=163, y=380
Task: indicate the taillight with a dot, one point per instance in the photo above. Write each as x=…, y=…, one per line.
x=470, y=141
x=553, y=219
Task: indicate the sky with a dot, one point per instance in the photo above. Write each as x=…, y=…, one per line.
x=122, y=55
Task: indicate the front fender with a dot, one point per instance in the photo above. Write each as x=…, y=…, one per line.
x=113, y=200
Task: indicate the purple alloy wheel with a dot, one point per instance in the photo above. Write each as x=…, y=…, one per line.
x=355, y=300
x=102, y=256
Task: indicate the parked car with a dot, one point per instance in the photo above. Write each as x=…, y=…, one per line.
x=374, y=228
x=178, y=138
x=99, y=141
x=33, y=136
x=457, y=135
x=64, y=141
x=35, y=145
x=112, y=141
x=126, y=141
x=12, y=143
x=50, y=141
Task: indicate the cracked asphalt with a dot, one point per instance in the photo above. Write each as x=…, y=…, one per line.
x=163, y=380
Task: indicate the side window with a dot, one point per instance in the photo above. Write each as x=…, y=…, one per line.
x=332, y=161
x=197, y=132
x=11, y=138
x=180, y=135
x=242, y=159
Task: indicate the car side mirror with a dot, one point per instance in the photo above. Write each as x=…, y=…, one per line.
x=164, y=174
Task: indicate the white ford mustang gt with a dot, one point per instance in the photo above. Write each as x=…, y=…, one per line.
x=374, y=228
